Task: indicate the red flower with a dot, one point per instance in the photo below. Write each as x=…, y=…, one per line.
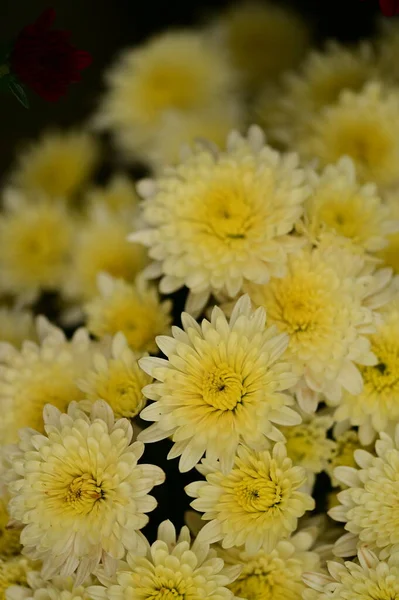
x=389, y=7
x=45, y=60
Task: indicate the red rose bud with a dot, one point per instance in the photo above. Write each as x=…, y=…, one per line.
x=45, y=60
x=389, y=7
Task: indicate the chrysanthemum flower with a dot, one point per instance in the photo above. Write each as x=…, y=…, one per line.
x=9, y=537
x=217, y=220
x=101, y=246
x=256, y=504
x=118, y=195
x=173, y=568
x=135, y=309
x=36, y=588
x=339, y=204
x=370, y=579
x=364, y=126
x=368, y=506
x=16, y=325
x=117, y=379
x=12, y=572
x=387, y=44
x=323, y=303
x=38, y=374
x=221, y=385
x=346, y=443
x=88, y=492
x=390, y=254
x=57, y=165
x=377, y=405
x=263, y=40
x=35, y=246
x=276, y=574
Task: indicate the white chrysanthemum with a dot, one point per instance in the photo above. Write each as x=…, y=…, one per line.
x=368, y=506
x=117, y=379
x=364, y=126
x=217, y=220
x=38, y=374
x=256, y=504
x=135, y=309
x=274, y=575
x=173, y=569
x=221, y=384
x=13, y=572
x=59, y=588
x=16, y=325
x=370, y=579
x=326, y=304
x=339, y=204
x=79, y=491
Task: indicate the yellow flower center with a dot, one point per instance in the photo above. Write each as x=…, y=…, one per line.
x=166, y=593
x=268, y=579
x=223, y=388
x=169, y=85
x=80, y=494
x=121, y=388
x=255, y=495
x=348, y=218
x=383, y=378
x=228, y=214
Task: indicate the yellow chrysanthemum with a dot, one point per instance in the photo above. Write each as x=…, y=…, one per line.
x=40, y=373
x=324, y=304
x=221, y=384
x=178, y=72
x=376, y=407
x=9, y=537
x=319, y=82
x=390, y=254
x=117, y=379
x=368, y=506
x=101, y=246
x=57, y=165
x=35, y=246
x=369, y=579
x=118, y=195
x=59, y=588
x=12, y=572
x=346, y=443
x=134, y=309
x=16, y=325
x=274, y=575
x=173, y=569
x=217, y=220
x=364, y=126
x=263, y=40
x=339, y=204
x=89, y=493
x=256, y=504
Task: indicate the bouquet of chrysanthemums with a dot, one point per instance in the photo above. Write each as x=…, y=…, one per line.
x=233, y=315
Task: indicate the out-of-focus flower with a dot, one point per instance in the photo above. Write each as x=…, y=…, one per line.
x=9, y=537
x=390, y=254
x=45, y=60
x=36, y=588
x=118, y=195
x=16, y=325
x=89, y=514
x=13, y=571
x=346, y=443
x=221, y=385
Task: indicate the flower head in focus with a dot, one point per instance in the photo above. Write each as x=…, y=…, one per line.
x=135, y=309
x=172, y=568
x=89, y=514
x=220, y=385
x=16, y=325
x=45, y=60
x=217, y=220
x=256, y=504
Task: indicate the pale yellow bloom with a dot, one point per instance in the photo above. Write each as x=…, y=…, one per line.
x=368, y=506
x=364, y=126
x=220, y=385
x=217, y=220
x=90, y=513
x=390, y=254
x=16, y=325
x=173, y=569
x=59, y=588
x=117, y=379
x=57, y=165
x=9, y=537
x=344, y=452
x=256, y=504
x=12, y=571
x=118, y=195
x=135, y=309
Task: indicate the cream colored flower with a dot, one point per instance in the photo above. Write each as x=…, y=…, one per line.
x=9, y=537
x=118, y=195
x=390, y=254
x=117, y=379
x=217, y=220
x=364, y=126
x=276, y=574
x=59, y=588
x=173, y=569
x=220, y=385
x=12, y=571
x=57, y=165
x=87, y=489
x=368, y=506
x=256, y=504
x=40, y=373
x=371, y=579
x=16, y=325
x=134, y=309
x=346, y=443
